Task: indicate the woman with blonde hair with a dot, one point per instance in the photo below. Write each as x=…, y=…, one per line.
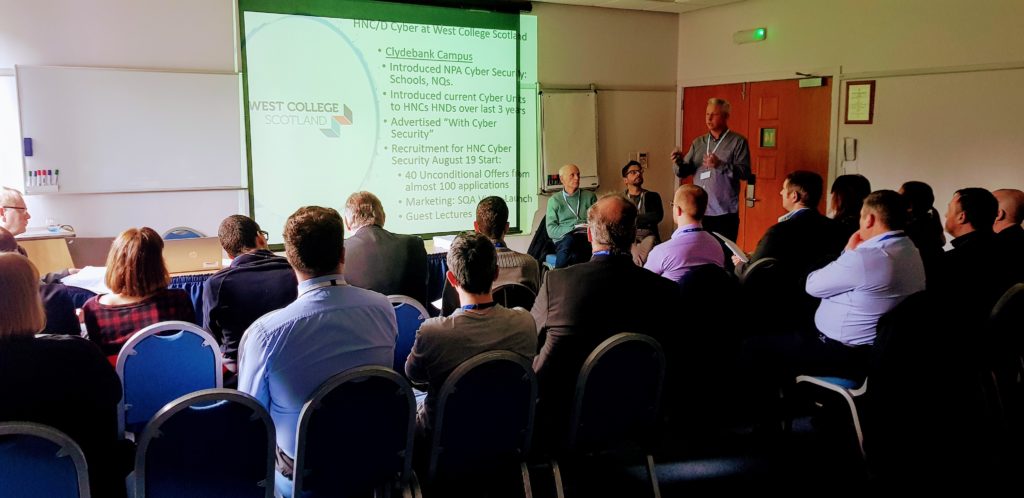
x=138, y=279
x=58, y=380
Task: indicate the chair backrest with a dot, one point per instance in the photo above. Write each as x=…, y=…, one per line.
x=410, y=315
x=355, y=433
x=485, y=415
x=156, y=369
x=182, y=233
x=762, y=269
x=618, y=393
x=211, y=443
x=511, y=295
x=38, y=460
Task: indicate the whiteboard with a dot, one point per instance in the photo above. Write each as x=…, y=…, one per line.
x=120, y=130
x=569, y=134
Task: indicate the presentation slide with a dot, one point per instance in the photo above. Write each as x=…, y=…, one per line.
x=431, y=109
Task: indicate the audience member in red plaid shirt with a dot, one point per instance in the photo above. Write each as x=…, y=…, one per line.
x=138, y=278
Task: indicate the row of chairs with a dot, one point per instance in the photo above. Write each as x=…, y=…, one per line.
x=356, y=433
x=170, y=359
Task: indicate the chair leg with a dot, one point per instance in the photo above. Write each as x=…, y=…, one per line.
x=527, y=486
x=654, y=476
x=557, y=475
x=856, y=422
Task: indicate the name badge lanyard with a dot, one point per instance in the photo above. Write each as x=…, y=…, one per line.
x=639, y=204
x=319, y=285
x=575, y=212
x=709, y=150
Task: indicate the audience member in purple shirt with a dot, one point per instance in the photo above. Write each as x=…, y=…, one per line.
x=690, y=245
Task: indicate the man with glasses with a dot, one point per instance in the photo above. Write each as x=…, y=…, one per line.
x=13, y=212
x=255, y=283
x=649, y=211
x=14, y=218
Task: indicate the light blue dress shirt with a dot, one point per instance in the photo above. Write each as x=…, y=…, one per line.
x=863, y=284
x=331, y=327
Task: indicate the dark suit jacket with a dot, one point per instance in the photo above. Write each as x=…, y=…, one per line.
x=803, y=243
x=388, y=263
x=973, y=275
x=580, y=306
x=233, y=298
x=60, y=310
x=1010, y=244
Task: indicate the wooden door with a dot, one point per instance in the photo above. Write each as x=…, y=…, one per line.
x=800, y=119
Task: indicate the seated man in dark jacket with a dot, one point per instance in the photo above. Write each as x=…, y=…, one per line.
x=255, y=283
x=1008, y=229
x=379, y=260
x=974, y=271
x=580, y=306
x=803, y=239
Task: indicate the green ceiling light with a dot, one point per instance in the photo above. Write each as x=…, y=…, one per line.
x=750, y=35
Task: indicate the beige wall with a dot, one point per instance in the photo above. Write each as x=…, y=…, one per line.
x=859, y=35
x=951, y=130
x=631, y=57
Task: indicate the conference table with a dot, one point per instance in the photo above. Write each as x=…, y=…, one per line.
x=192, y=283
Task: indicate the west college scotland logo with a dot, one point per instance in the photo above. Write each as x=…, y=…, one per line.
x=328, y=117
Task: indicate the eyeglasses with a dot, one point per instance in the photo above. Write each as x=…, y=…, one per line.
x=14, y=207
x=634, y=172
x=264, y=233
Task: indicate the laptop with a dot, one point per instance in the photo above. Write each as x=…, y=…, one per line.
x=193, y=255
x=89, y=251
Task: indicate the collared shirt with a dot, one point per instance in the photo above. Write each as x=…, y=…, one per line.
x=863, y=284
x=787, y=216
x=330, y=328
x=722, y=183
x=690, y=246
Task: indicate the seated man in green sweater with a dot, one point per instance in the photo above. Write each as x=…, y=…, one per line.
x=566, y=213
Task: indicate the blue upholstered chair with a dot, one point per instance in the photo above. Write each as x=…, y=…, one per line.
x=156, y=369
x=410, y=315
x=484, y=424
x=211, y=443
x=355, y=435
x=849, y=390
x=38, y=460
x=618, y=397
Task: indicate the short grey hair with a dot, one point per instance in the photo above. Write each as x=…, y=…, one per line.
x=8, y=195
x=363, y=208
x=724, y=104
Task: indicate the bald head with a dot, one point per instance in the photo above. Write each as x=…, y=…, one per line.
x=1011, y=208
x=689, y=204
x=612, y=221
